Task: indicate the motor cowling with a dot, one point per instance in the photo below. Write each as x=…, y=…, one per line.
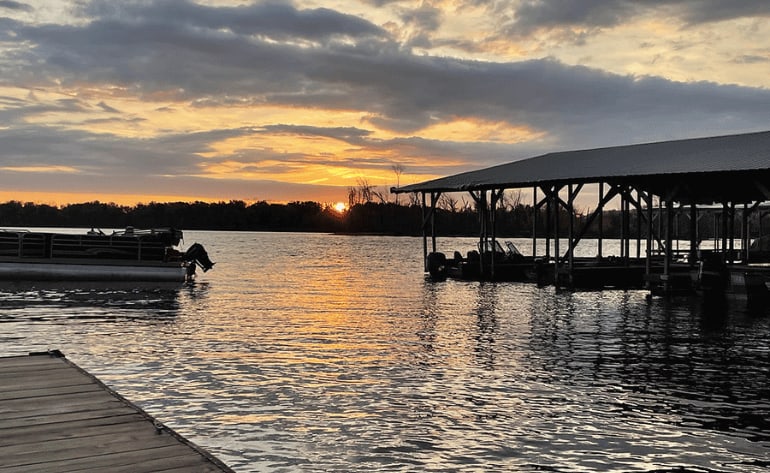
x=437, y=265
x=196, y=253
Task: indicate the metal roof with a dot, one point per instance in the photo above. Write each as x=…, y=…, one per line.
x=734, y=168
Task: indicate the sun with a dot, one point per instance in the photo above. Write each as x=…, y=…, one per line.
x=340, y=207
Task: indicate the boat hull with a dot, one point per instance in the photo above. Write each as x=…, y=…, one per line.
x=69, y=271
x=502, y=271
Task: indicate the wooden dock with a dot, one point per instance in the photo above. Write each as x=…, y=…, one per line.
x=54, y=416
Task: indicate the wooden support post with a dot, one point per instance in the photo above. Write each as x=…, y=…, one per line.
x=535, y=212
x=555, y=197
x=660, y=219
x=548, y=222
x=433, y=201
x=623, y=215
x=639, y=217
x=484, y=232
x=648, y=262
x=424, y=236
x=571, y=232
x=693, y=257
x=745, y=234
x=493, y=224
x=627, y=243
x=601, y=220
x=430, y=217
x=669, y=240
x=731, y=253
x=725, y=229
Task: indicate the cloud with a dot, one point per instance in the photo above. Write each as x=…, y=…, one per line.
x=707, y=11
x=525, y=17
x=18, y=110
x=107, y=108
x=177, y=47
x=347, y=134
x=190, y=49
x=276, y=20
x=751, y=59
x=424, y=18
x=147, y=50
x=15, y=6
x=102, y=154
x=181, y=56
x=532, y=15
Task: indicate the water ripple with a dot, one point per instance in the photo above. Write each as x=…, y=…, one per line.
x=333, y=353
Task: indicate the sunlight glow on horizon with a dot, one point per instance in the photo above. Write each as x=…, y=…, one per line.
x=67, y=198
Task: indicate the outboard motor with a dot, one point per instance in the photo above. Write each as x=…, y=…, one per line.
x=437, y=266
x=196, y=253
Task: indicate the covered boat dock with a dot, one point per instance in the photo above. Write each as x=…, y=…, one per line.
x=727, y=177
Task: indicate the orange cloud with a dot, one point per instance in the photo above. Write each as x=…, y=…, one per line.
x=474, y=130
x=41, y=169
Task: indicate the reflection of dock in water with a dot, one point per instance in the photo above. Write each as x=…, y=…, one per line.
x=660, y=192
x=56, y=417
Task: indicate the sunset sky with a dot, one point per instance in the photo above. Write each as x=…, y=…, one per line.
x=166, y=100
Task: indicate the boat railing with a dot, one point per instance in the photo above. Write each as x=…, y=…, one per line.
x=47, y=245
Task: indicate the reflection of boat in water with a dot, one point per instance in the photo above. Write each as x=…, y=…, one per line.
x=129, y=255
x=106, y=301
x=742, y=280
x=490, y=261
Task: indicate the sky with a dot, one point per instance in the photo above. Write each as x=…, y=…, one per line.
x=182, y=100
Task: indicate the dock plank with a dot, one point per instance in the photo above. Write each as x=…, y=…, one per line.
x=10, y=363
x=59, y=404
x=45, y=418
x=168, y=460
x=52, y=378
x=73, y=429
x=56, y=417
x=41, y=390
x=95, y=445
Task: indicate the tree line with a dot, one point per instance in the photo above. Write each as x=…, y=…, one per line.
x=362, y=217
x=452, y=217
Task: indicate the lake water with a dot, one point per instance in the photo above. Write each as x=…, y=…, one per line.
x=317, y=353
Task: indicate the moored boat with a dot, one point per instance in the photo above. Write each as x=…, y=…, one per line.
x=487, y=263
x=151, y=255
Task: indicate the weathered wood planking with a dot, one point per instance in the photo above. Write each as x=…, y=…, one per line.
x=56, y=417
